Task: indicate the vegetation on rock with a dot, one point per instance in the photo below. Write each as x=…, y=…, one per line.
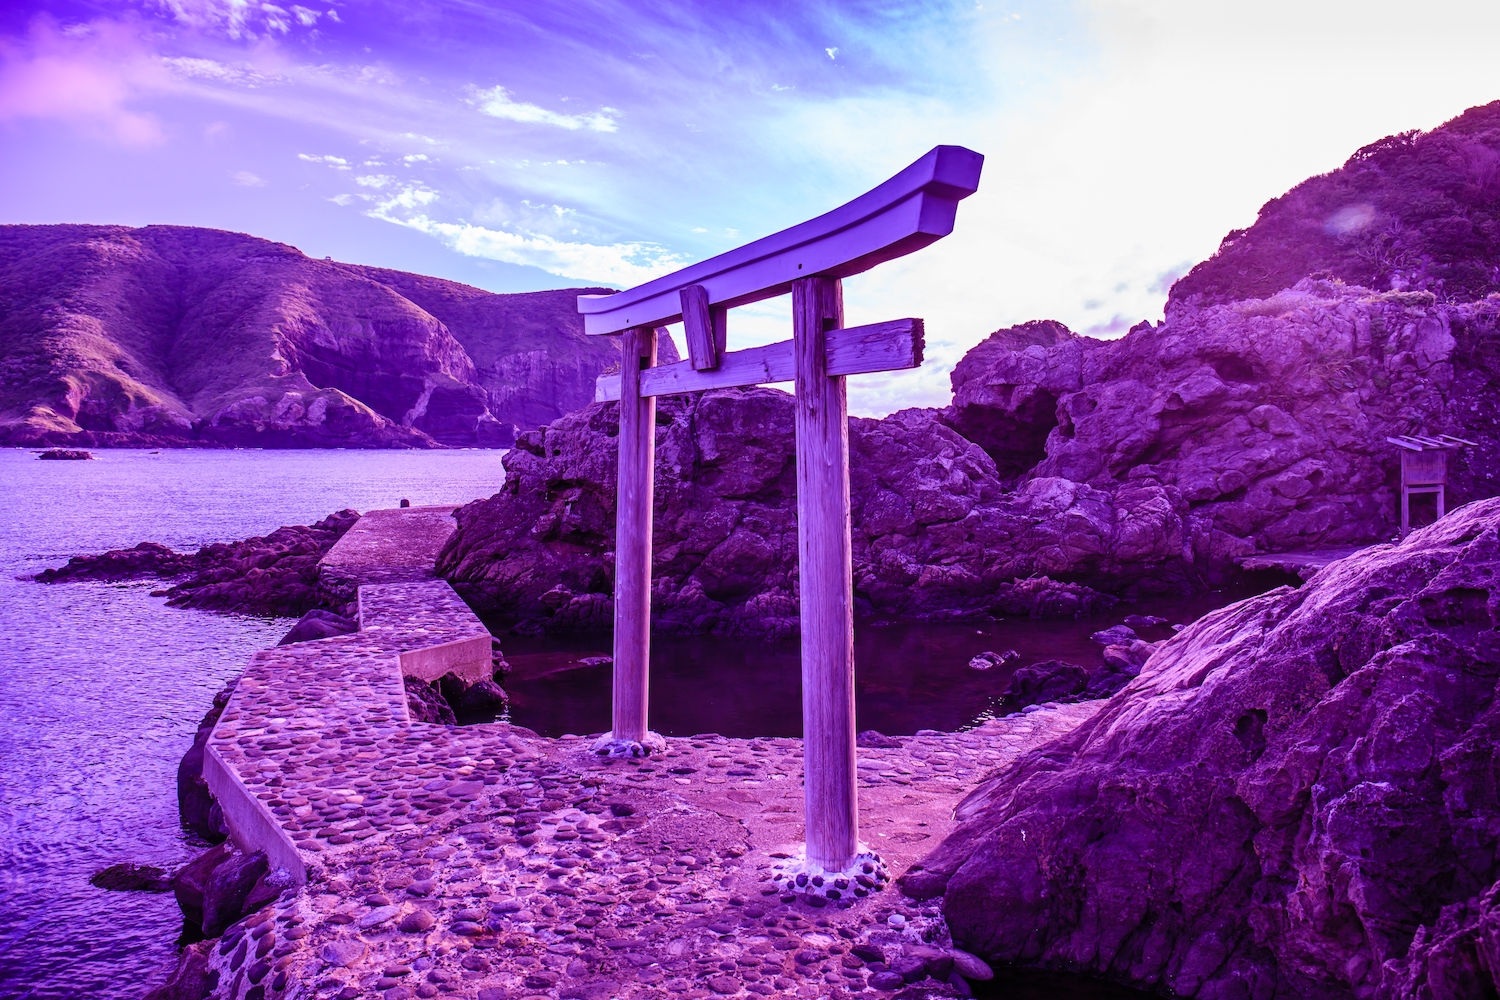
x=1415, y=211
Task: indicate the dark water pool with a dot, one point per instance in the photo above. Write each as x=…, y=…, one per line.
x=908, y=676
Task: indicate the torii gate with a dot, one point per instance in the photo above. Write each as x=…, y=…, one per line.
x=905, y=214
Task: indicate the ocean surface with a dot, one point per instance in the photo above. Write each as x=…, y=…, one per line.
x=102, y=686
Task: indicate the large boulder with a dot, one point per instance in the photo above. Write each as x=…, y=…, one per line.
x=1297, y=796
x=935, y=533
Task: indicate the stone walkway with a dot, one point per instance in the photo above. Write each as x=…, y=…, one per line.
x=486, y=862
x=394, y=545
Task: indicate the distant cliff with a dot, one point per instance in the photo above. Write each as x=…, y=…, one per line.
x=176, y=336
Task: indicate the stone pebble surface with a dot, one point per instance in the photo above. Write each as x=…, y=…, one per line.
x=485, y=862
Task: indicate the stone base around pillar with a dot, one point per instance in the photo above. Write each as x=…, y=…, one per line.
x=608, y=746
x=798, y=876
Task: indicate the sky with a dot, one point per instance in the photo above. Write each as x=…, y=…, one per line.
x=526, y=145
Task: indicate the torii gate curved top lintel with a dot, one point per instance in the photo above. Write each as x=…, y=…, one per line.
x=906, y=213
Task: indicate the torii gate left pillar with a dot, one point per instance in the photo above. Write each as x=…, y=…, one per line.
x=633, y=518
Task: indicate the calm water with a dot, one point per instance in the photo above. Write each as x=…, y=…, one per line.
x=102, y=686
x=908, y=677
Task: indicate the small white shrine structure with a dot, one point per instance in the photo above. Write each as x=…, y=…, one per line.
x=902, y=215
x=1424, y=470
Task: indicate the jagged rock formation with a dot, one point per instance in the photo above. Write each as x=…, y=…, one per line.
x=1295, y=797
x=935, y=534
x=272, y=575
x=169, y=335
x=1265, y=419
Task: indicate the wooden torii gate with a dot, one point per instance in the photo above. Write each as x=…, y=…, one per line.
x=902, y=215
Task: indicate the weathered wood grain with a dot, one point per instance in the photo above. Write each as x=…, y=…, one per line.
x=878, y=347
x=826, y=580
x=911, y=210
x=698, y=328
x=633, y=539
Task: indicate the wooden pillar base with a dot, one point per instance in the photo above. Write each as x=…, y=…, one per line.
x=864, y=874
x=650, y=743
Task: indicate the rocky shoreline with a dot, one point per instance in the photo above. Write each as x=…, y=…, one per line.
x=1322, y=758
x=277, y=574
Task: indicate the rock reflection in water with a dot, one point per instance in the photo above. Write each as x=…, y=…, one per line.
x=909, y=675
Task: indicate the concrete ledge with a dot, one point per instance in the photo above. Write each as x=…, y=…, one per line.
x=470, y=659
x=251, y=825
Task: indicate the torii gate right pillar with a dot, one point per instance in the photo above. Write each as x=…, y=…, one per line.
x=826, y=579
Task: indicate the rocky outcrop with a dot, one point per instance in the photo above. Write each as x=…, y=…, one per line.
x=318, y=624
x=1265, y=420
x=1295, y=797
x=1412, y=212
x=169, y=336
x=936, y=535
x=196, y=806
x=1252, y=420
x=272, y=575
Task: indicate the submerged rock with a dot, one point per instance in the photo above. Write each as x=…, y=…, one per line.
x=65, y=455
x=1296, y=797
x=130, y=877
x=192, y=979
x=195, y=803
x=1047, y=681
x=990, y=658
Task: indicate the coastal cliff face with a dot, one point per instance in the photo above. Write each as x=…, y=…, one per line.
x=1419, y=211
x=1295, y=797
x=168, y=335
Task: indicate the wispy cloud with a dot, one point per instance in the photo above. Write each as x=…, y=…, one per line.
x=246, y=179
x=622, y=264
x=497, y=103
x=87, y=74
x=336, y=162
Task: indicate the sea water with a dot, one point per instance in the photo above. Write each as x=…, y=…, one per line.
x=102, y=686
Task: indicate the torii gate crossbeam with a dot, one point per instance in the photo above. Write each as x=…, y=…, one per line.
x=906, y=213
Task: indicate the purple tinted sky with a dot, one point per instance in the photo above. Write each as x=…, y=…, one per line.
x=529, y=145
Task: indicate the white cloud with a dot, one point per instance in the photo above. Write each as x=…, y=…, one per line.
x=621, y=264
x=305, y=16
x=414, y=157
x=376, y=181
x=833, y=53
x=247, y=179
x=498, y=103
x=342, y=199
x=336, y=162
